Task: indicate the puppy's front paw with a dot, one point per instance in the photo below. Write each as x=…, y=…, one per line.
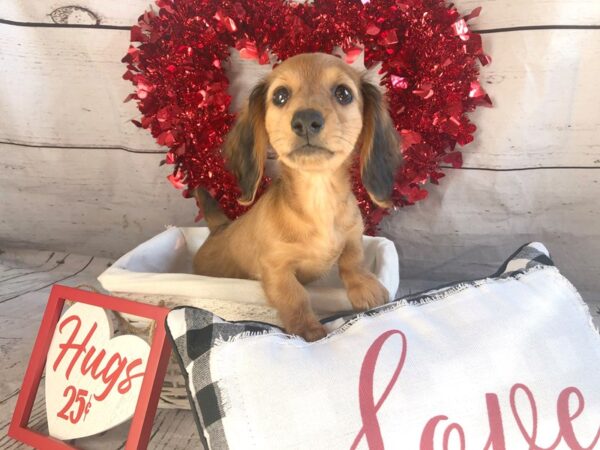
x=314, y=333
x=365, y=292
x=310, y=330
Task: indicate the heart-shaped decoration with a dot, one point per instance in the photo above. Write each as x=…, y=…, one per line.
x=93, y=379
x=425, y=49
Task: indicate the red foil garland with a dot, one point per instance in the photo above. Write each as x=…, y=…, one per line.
x=428, y=59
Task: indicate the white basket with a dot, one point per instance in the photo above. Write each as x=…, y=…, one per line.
x=159, y=272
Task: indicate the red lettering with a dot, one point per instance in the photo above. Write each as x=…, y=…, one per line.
x=565, y=419
x=70, y=344
x=125, y=385
x=461, y=435
x=429, y=432
x=530, y=438
x=111, y=378
x=94, y=367
x=368, y=407
x=496, y=439
x=371, y=431
x=93, y=362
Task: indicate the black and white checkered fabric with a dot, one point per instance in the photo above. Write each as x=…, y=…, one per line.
x=194, y=332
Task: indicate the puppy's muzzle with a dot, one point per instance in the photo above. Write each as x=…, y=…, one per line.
x=307, y=122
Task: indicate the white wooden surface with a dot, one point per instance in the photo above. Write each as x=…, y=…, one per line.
x=540, y=81
x=546, y=106
x=463, y=231
x=97, y=202
x=496, y=14
x=74, y=176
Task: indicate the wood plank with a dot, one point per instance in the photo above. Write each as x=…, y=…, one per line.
x=89, y=12
x=518, y=13
x=12, y=262
x=472, y=222
x=93, y=202
x=34, y=280
x=108, y=216
x=543, y=85
x=62, y=91
x=14, y=273
x=67, y=92
x=496, y=13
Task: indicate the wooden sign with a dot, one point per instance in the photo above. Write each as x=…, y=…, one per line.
x=94, y=380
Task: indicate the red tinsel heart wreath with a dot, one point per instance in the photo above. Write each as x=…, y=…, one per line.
x=428, y=60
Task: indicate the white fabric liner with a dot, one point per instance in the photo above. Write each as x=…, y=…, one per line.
x=162, y=266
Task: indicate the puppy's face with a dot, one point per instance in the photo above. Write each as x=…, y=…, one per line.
x=313, y=114
x=314, y=110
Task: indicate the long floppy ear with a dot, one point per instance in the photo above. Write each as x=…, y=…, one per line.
x=378, y=145
x=246, y=144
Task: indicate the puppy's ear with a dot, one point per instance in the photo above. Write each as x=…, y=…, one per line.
x=246, y=144
x=378, y=145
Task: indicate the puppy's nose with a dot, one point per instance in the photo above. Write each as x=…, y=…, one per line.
x=307, y=121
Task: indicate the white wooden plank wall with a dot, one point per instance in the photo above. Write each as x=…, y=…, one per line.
x=75, y=175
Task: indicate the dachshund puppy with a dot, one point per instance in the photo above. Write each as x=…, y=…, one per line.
x=316, y=112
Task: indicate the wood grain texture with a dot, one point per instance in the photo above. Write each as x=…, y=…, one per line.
x=64, y=87
x=546, y=105
x=544, y=116
x=96, y=202
x=61, y=91
x=518, y=13
x=476, y=220
x=89, y=12
x=92, y=213
x=495, y=14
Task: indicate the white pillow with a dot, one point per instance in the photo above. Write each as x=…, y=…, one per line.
x=510, y=360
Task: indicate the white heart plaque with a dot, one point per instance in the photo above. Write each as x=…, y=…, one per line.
x=93, y=379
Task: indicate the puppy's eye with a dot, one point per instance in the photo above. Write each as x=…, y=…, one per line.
x=343, y=94
x=281, y=96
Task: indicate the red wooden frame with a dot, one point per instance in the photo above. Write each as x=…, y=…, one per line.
x=160, y=351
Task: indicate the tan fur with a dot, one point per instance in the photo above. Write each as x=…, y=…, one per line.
x=308, y=218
